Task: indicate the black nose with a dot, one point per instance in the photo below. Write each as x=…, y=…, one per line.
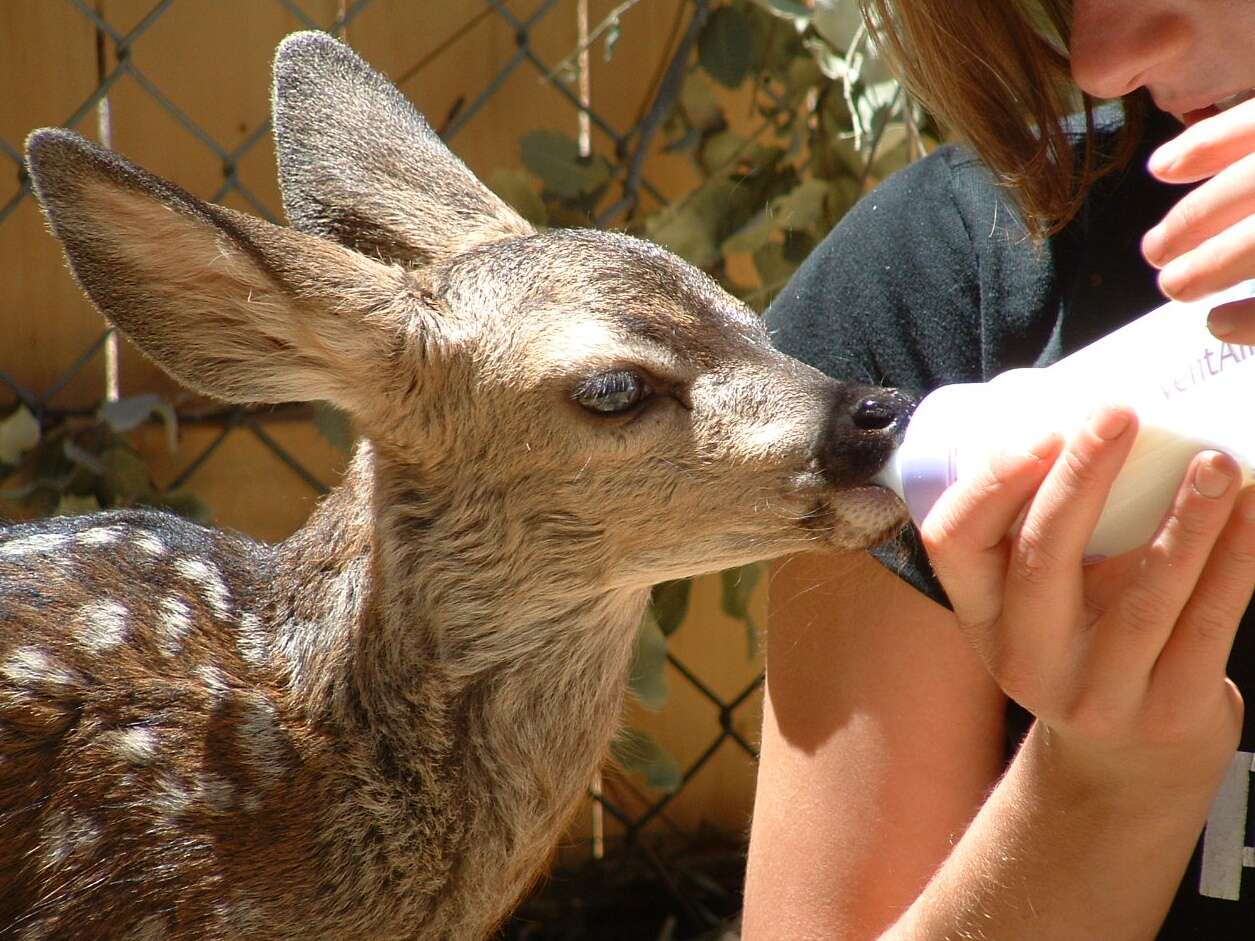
x=863, y=428
x=878, y=411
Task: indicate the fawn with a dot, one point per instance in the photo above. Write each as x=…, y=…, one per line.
x=378, y=728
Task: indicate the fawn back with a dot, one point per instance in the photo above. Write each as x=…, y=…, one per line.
x=379, y=727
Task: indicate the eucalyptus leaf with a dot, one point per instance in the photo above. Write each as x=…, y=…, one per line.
x=725, y=48
x=72, y=505
x=19, y=432
x=648, y=679
x=670, y=603
x=334, y=425
x=613, y=32
x=129, y=413
x=738, y=587
x=185, y=503
x=752, y=236
x=796, y=13
x=686, y=232
x=555, y=158
x=517, y=189
x=638, y=751
x=698, y=104
x=803, y=207
x=83, y=458
x=126, y=475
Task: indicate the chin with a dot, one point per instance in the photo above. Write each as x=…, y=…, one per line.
x=857, y=519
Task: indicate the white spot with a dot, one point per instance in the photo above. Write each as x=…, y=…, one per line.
x=30, y=666
x=152, y=928
x=210, y=579
x=99, y=536
x=65, y=837
x=252, y=640
x=40, y=542
x=136, y=745
x=102, y=624
x=175, y=621
x=212, y=677
x=150, y=543
x=170, y=798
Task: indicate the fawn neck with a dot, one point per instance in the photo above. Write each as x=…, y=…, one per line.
x=469, y=635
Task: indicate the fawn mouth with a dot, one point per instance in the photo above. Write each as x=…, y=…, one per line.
x=856, y=518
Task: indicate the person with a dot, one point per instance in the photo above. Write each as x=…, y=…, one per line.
x=1042, y=749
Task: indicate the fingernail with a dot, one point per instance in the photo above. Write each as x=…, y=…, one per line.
x=1212, y=476
x=1109, y=423
x=1221, y=322
x=1161, y=160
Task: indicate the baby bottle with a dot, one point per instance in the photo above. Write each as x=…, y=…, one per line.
x=1190, y=391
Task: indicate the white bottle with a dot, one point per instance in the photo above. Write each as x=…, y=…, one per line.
x=1190, y=391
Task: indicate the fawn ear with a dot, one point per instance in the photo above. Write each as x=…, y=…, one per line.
x=358, y=164
x=229, y=305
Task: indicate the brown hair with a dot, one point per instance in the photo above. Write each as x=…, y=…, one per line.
x=997, y=74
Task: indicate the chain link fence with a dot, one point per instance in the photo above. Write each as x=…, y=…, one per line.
x=686, y=880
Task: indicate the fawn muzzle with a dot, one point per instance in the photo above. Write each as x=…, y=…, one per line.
x=865, y=424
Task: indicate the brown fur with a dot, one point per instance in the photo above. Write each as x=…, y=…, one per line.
x=378, y=728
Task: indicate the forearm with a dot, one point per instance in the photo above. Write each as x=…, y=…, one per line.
x=1052, y=855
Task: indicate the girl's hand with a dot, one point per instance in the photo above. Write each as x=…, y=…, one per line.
x=1206, y=243
x=1123, y=663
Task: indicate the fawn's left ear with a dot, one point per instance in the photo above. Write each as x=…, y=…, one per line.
x=229, y=305
x=359, y=165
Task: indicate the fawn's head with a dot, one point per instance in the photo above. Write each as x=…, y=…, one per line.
x=578, y=382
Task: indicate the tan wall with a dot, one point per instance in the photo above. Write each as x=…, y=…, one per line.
x=211, y=58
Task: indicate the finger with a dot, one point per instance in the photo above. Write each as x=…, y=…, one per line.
x=1220, y=262
x=1128, y=639
x=1233, y=322
x=1203, y=212
x=1046, y=554
x=965, y=534
x=1197, y=653
x=1207, y=147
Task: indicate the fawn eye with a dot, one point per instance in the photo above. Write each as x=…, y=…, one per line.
x=612, y=393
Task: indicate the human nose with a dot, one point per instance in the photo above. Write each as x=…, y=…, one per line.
x=1118, y=45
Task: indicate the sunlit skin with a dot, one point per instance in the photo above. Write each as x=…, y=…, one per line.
x=1193, y=57
x=880, y=812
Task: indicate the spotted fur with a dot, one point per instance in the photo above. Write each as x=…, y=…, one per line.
x=379, y=727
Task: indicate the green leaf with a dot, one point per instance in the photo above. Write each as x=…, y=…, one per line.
x=796, y=13
x=19, y=432
x=670, y=604
x=738, y=587
x=698, y=104
x=649, y=665
x=83, y=458
x=686, y=232
x=71, y=505
x=803, y=207
x=555, y=158
x=725, y=48
x=613, y=31
x=185, y=503
x=752, y=236
x=127, y=475
x=517, y=189
x=127, y=414
x=335, y=426
x=637, y=751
